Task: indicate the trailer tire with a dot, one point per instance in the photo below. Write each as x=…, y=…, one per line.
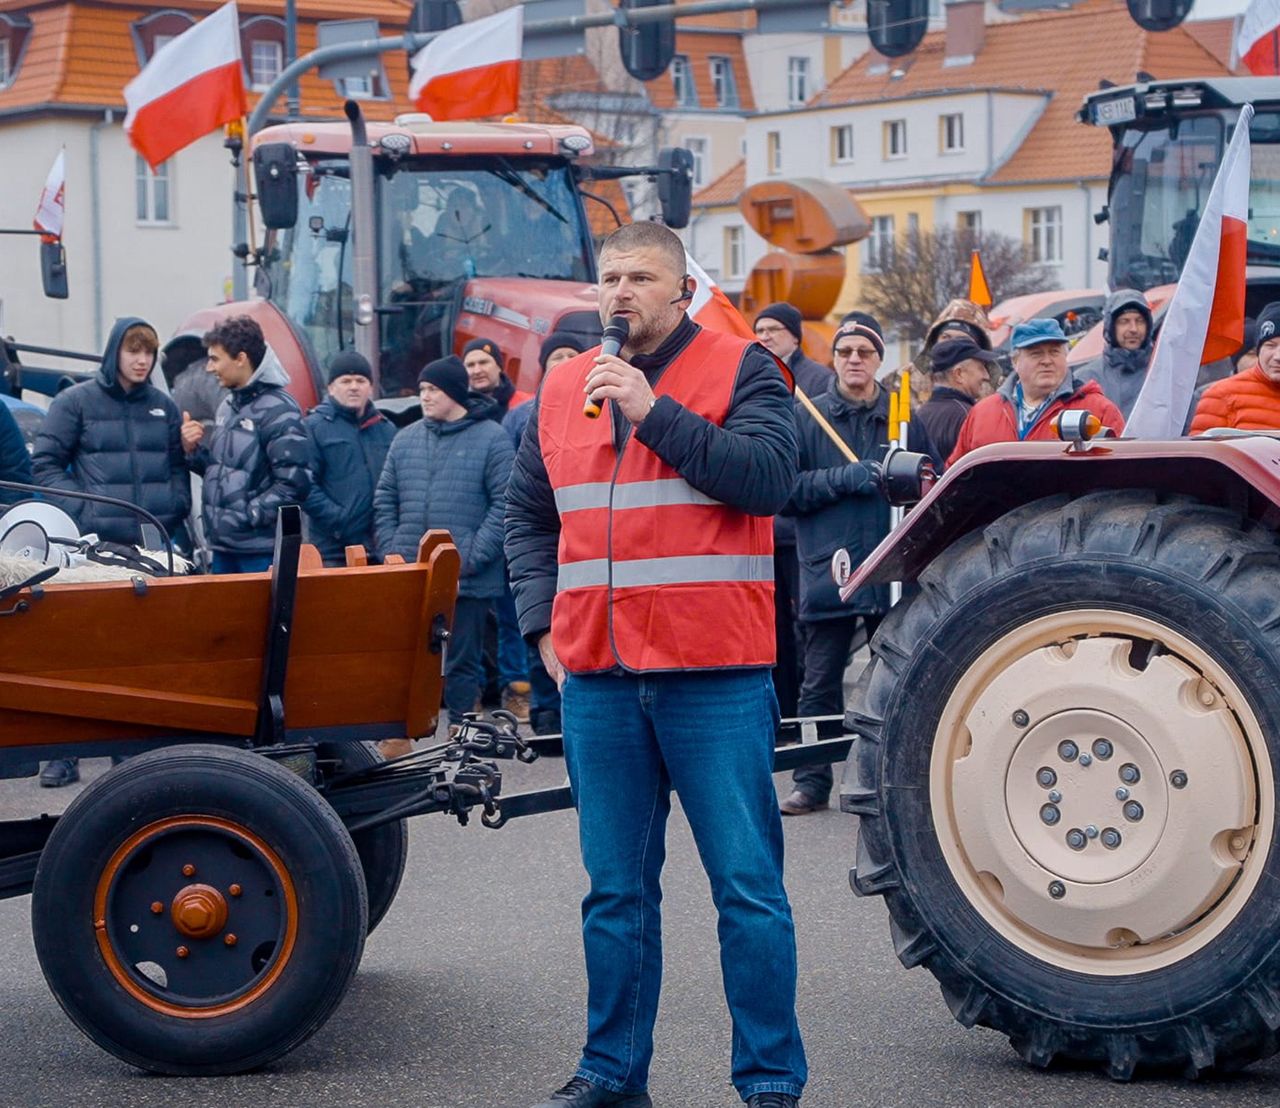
x=199, y=910
x=383, y=850
x=1148, y=624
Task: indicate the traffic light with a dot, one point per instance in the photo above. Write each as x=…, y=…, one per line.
x=897, y=26
x=1159, y=15
x=647, y=49
x=434, y=15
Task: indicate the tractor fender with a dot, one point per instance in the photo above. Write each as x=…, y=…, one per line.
x=1241, y=472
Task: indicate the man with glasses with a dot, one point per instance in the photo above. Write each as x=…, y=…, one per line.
x=838, y=503
x=1040, y=386
x=780, y=330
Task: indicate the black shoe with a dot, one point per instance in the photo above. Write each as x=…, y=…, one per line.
x=580, y=1093
x=546, y=721
x=798, y=803
x=61, y=771
x=773, y=1100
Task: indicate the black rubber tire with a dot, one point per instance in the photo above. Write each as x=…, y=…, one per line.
x=384, y=850
x=272, y=804
x=1206, y=573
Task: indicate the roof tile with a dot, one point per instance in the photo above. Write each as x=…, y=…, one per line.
x=725, y=189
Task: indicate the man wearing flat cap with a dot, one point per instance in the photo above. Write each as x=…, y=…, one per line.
x=450, y=470
x=1040, y=386
x=349, y=442
x=960, y=368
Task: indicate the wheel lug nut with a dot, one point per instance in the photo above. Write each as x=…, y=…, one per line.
x=230, y=940
x=1020, y=718
x=1055, y=797
x=1130, y=774
x=1076, y=839
x=1091, y=831
x=1133, y=811
x=1050, y=814
x=183, y=952
x=1086, y=759
x=1046, y=777
x=1122, y=793
x=1057, y=890
x=1102, y=749
x=188, y=870
x=1110, y=838
x=235, y=890
x=1067, y=750
x=156, y=907
x=1178, y=779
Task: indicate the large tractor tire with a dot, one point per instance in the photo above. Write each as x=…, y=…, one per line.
x=1065, y=774
x=383, y=850
x=199, y=910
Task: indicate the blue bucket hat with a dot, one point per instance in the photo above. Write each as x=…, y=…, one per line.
x=1035, y=331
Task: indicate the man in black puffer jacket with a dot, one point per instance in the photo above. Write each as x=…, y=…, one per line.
x=349, y=442
x=257, y=459
x=117, y=435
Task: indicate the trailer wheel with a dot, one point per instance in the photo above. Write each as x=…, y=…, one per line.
x=1066, y=787
x=199, y=910
x=383, y=850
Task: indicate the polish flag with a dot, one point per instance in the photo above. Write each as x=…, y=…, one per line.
x=1213, y=279
x=710, y=308
x=471, y=70
x=51, y=210
x=193, y=85
x=1258, y=41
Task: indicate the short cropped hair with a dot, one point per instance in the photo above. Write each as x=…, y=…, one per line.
x=238, y=335
x=140, y=337
x=648, y=236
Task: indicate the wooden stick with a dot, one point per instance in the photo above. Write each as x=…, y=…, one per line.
x=822, y=422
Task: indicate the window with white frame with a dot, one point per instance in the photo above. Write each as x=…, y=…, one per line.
x=153, y=193
x=1044, y=234
x=895, y=138
x=735, y=261
x=877, y=247
x=773, y=152
x=723, y=82
x=797, y=81
x=698, y=147
x=913, y=223
x=682, y=81
x=4, y=59
x=842, y=144
x=951, y=133
x=265, y=62
x=970, y=222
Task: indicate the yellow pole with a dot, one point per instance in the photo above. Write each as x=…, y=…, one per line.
x=893, y=416
x=904, y=404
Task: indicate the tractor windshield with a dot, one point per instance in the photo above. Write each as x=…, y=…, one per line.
x=1160, y=181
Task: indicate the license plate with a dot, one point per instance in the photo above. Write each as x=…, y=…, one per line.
x=1121, y=110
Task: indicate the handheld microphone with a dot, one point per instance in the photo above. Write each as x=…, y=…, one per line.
x=615, y=337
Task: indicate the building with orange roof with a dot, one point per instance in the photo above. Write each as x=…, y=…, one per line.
x=976, y=129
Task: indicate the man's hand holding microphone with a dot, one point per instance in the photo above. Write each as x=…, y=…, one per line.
x=616, y=380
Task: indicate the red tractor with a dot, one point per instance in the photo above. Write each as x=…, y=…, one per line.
x=1068, y=741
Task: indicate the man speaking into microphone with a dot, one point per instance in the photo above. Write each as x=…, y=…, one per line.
x=640, y=549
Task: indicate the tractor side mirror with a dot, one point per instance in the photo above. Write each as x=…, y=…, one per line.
x=275, y=169
x=53, y=269
x=675, y=185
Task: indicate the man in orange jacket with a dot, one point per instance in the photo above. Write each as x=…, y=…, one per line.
x=1250, y=399
x=1040, y=386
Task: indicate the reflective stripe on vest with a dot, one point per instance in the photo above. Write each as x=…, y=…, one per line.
x=662, y=493
x=641, y=572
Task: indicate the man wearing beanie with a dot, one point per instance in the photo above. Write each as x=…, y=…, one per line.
x=779, y=329
x=1250, y=399
x=837, y=503
x=349, y=442
x=484, y=362
x=450, y=470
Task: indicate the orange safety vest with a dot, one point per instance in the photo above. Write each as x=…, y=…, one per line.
x=654, y=575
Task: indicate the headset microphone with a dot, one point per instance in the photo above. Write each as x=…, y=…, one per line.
x=614, y=338
x=686, y=293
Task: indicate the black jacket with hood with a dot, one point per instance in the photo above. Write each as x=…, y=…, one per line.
x=1121, y=372
x=101, y=439
x=255, y=462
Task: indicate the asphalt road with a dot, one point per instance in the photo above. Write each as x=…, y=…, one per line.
x=471, y=995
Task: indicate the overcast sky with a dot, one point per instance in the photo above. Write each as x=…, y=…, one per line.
x=1214, y=9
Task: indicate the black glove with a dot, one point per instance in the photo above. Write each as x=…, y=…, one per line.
x=857, y=477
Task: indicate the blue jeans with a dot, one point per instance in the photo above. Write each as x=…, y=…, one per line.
x=629, y=740
x=513, y=662
x=224, y=561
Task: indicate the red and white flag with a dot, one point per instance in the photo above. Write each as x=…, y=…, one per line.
x=193, y=85
x=51, y=211
x=1205, y=318
x=1258, y=40
x=472, y=69
x=709, y=306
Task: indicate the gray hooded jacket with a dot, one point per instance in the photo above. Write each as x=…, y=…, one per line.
x=1121, y=372
x=255, y=462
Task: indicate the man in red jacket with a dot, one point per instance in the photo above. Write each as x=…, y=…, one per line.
x=1040, y=386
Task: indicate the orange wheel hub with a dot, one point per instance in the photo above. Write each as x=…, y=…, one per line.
x=199, y=911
